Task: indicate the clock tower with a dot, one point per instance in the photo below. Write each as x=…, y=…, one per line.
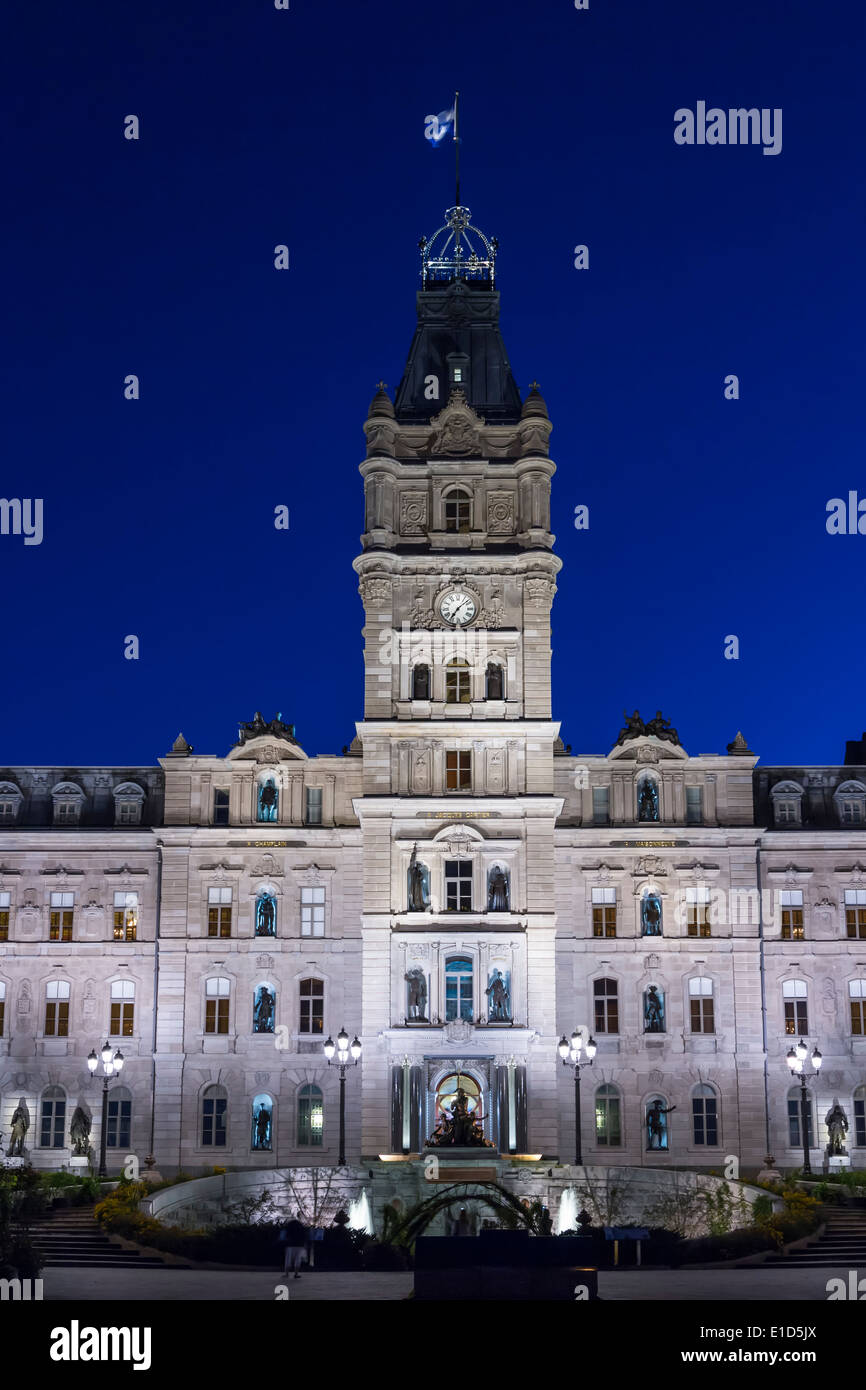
x=457, y=578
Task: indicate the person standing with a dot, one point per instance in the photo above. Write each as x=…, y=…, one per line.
x=295, y=1235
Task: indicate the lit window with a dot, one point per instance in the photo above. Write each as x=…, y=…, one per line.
x=604, y=912
x=60, y=917
x=458, y=512
x=219, y=912
x=125, y=916
x=312, y=1007
x=458, y=685
x=698, y=910
x=792, y=914
x=855, y=913
x=794, y=995
x=311, y=1116
x=857, y=999
x=216, y=1009
x=458, y=771
x=5, y=908
x=57, y=1009
x=122, y=1020
x=701, y=1005
x=608, y=1124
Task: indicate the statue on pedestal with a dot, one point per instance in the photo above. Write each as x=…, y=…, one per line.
x=837, y=1128
x=461, y=1128
x=418, y=895
x=20, y=1126
x=417, y=994
x=79, y=1132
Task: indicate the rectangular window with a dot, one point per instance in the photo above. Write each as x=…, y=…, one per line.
x=698, y=910
x=5, y=908
x=219, y=912
x=796, y=1018
x=601, y=805
x=857, y=1000
x=312, y=912
x=213, y=1122
x=701, y=1010
x=705, y=1121
x=128, y=812
x=852, y=813
x=216, y=1016
x=66, y=812
x=792, y=914
x=608, y=1126
x=604, y=912
x=53, y=1126
x=795, y=1132
x=119, y=1127
x=122, y=1024
x=312, y=1012
x=2, y=1009
x=313, y=806
x=8, y=811
x=60, y=917
x=458, y=771
x=855, y=913
x=458, y=885
x=125, y=916
x=220, y=806
x=606, y=1000
x=57, y=1010
x=860, y=1121
x=694, y=805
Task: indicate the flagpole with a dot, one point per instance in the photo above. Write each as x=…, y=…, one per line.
x=457, y=147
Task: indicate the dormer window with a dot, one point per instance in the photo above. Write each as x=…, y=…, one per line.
x=128, y=801
x=10, y=801
x=850, y=799
x=786, y=800
x=457, y=375
x=67, y=800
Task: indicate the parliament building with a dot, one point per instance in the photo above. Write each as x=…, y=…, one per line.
x=457, y=889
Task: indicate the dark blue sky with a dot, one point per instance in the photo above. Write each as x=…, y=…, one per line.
x=260, y=127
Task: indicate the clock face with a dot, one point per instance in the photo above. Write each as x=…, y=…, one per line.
x=458, y=607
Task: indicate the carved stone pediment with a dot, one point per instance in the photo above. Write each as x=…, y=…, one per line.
x=457, y=428
x=267, y=867
x=648, y=749
x=459, y=1030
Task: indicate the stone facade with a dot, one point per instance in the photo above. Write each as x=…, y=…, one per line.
x=457, y=887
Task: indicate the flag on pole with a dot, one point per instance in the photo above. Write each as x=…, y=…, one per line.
x=437, y=127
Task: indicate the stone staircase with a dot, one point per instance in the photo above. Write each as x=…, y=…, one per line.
x=842, y=1244
x=70, y=1236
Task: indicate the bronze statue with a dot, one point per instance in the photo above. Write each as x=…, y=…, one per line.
x=417, y=887
x=79, y=1132
x=263, y=1128
x=259, y=725
x=497, y=890
x=497, y=993
x=460, y=1128
x=653, y=1011
x=263, y=1021
x=647, y=807
x=20, y=1126
x=661, y=727
x=417, y=982
x=634, y=727
x=837, y=1128
x=655, y=1125
x=265, y=916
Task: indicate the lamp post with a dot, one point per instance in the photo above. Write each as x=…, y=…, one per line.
x=110, y=1065
x=796, y=1060
x=343, y=1049
x=570, y=1052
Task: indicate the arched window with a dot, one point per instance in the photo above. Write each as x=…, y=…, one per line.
x=121, y=1023
x=311, y=1117
x=786, y=800
x=850, y=799
x=119, y=1127
x=268, y=800
x=705, y=1117
x=494, y=682
x=421, y=681
x=128, y=801
x=57, y=1009
x=647, y=799
x=262, y=1123
x=458, y=682
x=606, y=1001
x=312, y=1007
x=216, y=1008
x=67, y=800
x=213, y=1117
x=795, y=999
x=458, y=511
x=10, y=801
x=857, y=1000
x=657, y=1111
x=795, y=1128
x=702, y=1005
x=266, y=914
x=608, y=1120
x=52, y=1120
x=860, y=1117
x=264, y=1008
x=650, y=914
x=459, y=993
x=654, y=1009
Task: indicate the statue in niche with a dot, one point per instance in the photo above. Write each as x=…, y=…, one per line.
x=416, y=1008
x=837, y=1128
x=421, y=682
x=264, y=1010
x=419, y=884
x=648, y=801
x=494, y=682
x=262, y=1128
x=20, y=1126
x=269, y=800
x=656, y=1123
x=651, y=915
x=499, y=998
x=653, y=1010
x=79, y=1132
x=266, y=915
x=497, y=890
x=459, y=1126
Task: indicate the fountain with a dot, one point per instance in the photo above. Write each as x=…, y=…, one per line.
x=360, y=1215
x=566, y=1218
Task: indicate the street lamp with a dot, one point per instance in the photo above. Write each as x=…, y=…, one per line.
x=570, y=1052
x=343, y=1049
x=110, y=1065
x=796, y=1060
